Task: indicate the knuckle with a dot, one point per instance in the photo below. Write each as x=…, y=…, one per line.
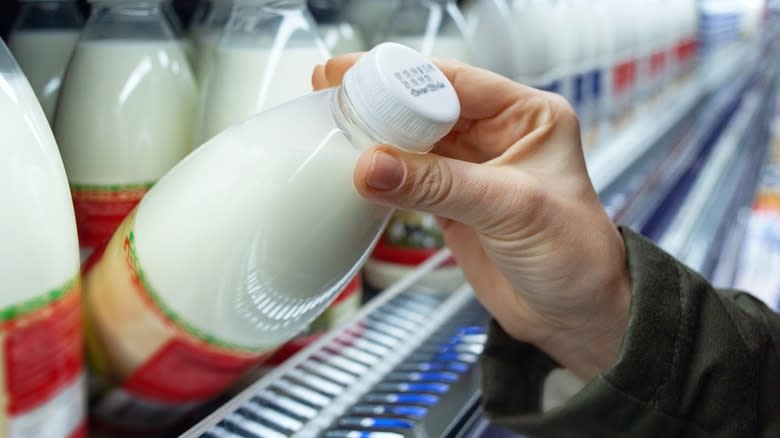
x=432, y=184
x=562, y=108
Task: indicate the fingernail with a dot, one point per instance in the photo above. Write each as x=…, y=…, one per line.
x=385, y=172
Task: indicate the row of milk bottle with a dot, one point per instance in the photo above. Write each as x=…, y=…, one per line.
x=246, y=55
x=127, y=111
x=602, y=55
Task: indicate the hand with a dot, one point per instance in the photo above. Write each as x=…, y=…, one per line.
x=517, y=208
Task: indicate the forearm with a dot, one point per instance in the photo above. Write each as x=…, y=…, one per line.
x=692, y=362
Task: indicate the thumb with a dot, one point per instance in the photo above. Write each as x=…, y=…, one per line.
x=473, y=194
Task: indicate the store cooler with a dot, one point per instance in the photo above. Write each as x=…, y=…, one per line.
x=406, y=365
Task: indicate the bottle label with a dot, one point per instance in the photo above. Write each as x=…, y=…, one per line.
x=595, y=84
x=410, y=238
x=151, y=362
x=623, y=77
x=657, y=64
x=552, y=87
x=100, y=209
x=42, y=374
x=686, y=50
x=580, y=87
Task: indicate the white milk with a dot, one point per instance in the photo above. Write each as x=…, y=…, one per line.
x=494, y=33
x=44, y=56
x=206, y=47
x=39, y=271
x=273, y=272
x=535, y=60
x=442, y=46
x=341, y=38
x=125, y=116
x=41, y=232
x=247, y=80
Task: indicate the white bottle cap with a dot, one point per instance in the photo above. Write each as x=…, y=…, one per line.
x=402, y=97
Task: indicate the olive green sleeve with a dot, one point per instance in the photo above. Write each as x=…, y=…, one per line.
x=694, y=362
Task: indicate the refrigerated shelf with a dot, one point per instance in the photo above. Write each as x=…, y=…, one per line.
x=408, y=328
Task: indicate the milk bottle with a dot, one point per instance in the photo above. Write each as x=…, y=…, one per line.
x=601, y=76
x=177, y=28
x=339, y=36
x=645, y=47
x=206, y=34
x=197, y=27
x=264, y=57
x=42, y=41
x=535, y=58
x=624, y=67
x=494, y=33
x=659, y=62
x=567, y=45
x=43, y=391
x=125, y=112
x=436, y=28
x=209, y=275
x=688, y=42
x=584, y=64
x=369, y=16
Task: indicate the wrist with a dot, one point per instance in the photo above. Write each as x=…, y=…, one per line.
x=589, y=348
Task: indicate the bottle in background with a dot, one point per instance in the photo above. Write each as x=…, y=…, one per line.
x=206, y=32
x=240, y=246
x=369, y=16
x=178, y=31
x=196, y=31
x=40, y=301
x=434, y=28
x=494, y=32
x=42, y=42
x=339, y=36
x=624, y=66
x=125, y=112
x=536, y=57
x=601, y=74
x=264, y=57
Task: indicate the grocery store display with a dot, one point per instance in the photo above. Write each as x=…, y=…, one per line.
x=42, y=41
x=231, y=247
x=125, y=113
x=41, y=372
x=209, y=275
x=264, y=57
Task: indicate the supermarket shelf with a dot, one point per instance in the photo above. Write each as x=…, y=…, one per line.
x=614, y=159
x=631, y=159
x=730, y=174
x=719, y=169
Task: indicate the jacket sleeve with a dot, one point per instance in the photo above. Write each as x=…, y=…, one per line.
x=694, y=362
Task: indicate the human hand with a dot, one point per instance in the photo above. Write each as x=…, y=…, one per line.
x=518, y=210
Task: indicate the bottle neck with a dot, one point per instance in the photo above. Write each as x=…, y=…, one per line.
x=348, y=119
